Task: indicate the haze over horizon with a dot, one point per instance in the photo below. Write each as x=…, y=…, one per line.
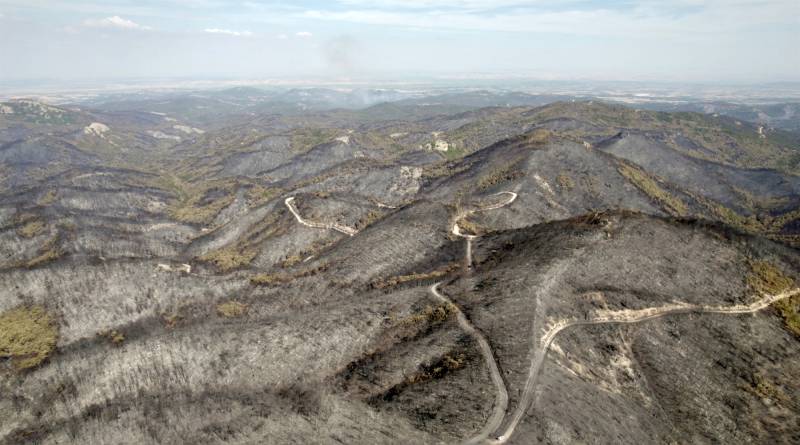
x=685, y=40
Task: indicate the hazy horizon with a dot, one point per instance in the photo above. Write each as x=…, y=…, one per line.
x=742, y=41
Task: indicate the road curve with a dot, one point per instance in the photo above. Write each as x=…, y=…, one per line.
x=501, y=400
x=456, y=230
x=619, y=317
x=289, y=202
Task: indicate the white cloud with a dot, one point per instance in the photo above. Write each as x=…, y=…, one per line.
x=283, y=37
x=659, y=18
x=228, y=32
x=304, y=34
x=115, y=22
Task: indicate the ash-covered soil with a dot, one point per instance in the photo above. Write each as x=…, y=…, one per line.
x=271, y=277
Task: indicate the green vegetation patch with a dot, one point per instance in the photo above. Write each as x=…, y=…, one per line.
x=564, y=181
x=766, y=278
x=304, y=139
x=444, y=169
x=789, y=310
x=231, y=309
x=730, y=217
x=50, y=251
x=28, y=335
x=230, y=258
x=431, y=315
x=448, y=363
x=766, y=388
x=115, y=337
x=48, y=198
x=471, y=228
x=651, y=188
x=270, y=279
x=31, y=229
x=506, y=173
x=241, y=252
x=368, y=219
x=259, y=195
x=399, y=279
x=198, y=203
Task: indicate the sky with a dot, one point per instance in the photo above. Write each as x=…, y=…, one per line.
x=665, y=40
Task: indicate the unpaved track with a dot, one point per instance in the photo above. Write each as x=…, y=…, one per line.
x=501, y=400
x=455, y=230
x=317, y=225
x=615, y=317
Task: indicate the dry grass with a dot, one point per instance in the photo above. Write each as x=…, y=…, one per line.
x=28, y=335
x=231, y=309
x=651, y=188
x=31, y=229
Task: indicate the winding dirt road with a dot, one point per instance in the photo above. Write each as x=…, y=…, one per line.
x=613, y=317
x=501, y=400
x=456, y=230
x=315, y=224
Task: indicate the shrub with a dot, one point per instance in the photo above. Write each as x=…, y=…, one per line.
x=28, y=336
